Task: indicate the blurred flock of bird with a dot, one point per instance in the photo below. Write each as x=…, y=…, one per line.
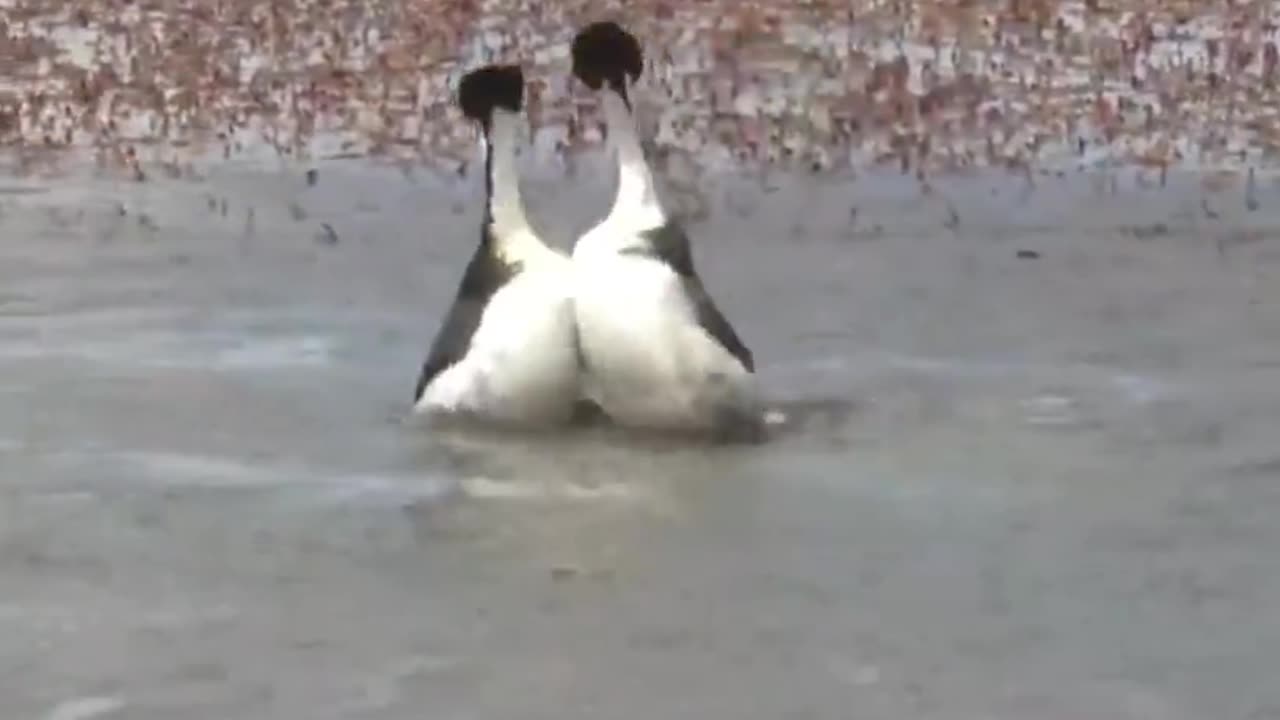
x=154, y=88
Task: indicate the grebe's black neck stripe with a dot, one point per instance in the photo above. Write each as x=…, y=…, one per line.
x=619, y=88
x=488, y=178
x=506, y=213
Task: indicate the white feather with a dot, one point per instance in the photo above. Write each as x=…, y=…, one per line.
x=522, y=364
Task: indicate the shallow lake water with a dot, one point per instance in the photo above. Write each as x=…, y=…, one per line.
x=1033, y=470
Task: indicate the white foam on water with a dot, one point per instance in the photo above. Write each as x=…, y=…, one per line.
x=309, y=350
x=203, y=470
x=68, y=497
x=1076, y=387
x=1051, y=409
x=481, y=487
x=957, y=367
x=86, y=708
x=173, y=469
x=382, y=489
x=43, y=619
x=1137, y=389
x=1141, y=390
x=171, y=350
x=291, y=482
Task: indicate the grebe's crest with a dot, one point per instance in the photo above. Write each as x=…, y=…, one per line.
x=488, y=88
x=604, y=53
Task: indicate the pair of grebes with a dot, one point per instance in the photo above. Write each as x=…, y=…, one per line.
x=622, y=330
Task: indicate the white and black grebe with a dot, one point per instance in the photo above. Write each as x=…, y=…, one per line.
x=658, y=353
x=507, y=352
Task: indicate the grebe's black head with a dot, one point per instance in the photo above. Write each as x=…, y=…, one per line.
x=605, y=54
x=489, y=87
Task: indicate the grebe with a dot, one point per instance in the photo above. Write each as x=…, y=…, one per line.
x=658, y=353
x=507, y=351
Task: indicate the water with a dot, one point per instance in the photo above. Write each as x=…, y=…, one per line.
x=1018, y=487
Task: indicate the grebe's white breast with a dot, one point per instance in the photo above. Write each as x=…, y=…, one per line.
x=508, y=349
x=509, y=354
x=658, y=352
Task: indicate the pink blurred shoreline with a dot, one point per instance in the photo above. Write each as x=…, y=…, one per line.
x=160, y=88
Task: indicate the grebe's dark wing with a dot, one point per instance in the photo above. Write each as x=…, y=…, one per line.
x=484, y=276
x=670, y=244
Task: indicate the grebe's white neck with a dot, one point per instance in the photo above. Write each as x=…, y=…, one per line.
x=636, y=206
x=506, y=211
x=509, y=226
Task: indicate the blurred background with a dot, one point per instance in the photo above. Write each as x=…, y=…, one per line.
x=930, y=86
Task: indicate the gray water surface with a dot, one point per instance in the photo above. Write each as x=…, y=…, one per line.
x=1018, y=487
